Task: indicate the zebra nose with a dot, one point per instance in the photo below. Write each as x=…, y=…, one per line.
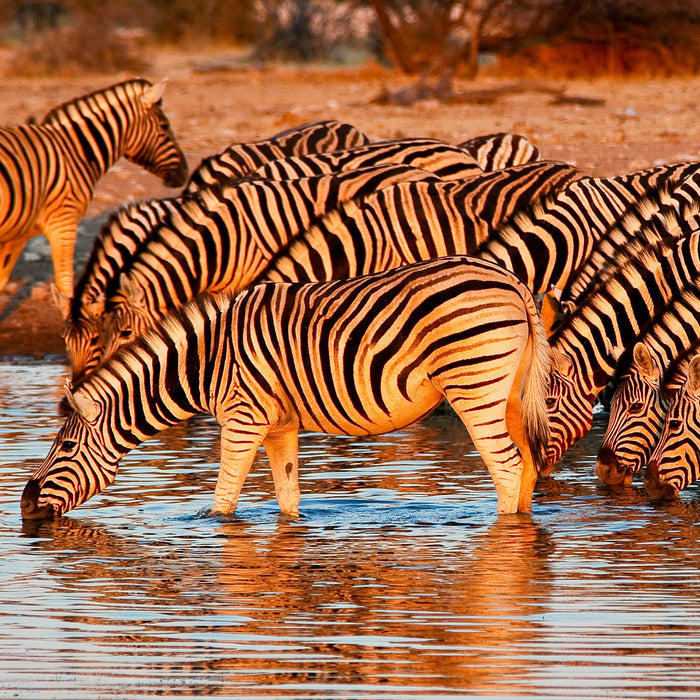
x=29, y=504
x=608, y=468
x=657, y=488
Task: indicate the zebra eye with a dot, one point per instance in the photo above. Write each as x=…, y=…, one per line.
x=550, y=402
x=68, y=445
x=636, y=409
x=675, y=424
x=125, y=333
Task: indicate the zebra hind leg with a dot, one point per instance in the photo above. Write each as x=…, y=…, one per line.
x=488, y=429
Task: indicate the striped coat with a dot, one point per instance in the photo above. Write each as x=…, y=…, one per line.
x=361, y=356
x=48, y=171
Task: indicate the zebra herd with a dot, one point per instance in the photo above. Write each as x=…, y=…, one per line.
x=320, y=280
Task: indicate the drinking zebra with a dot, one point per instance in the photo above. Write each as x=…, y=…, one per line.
x=588, y=344
x=361, y=356
x=675, y=461
x=48, y=171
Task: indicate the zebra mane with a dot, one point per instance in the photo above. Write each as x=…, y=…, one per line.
x=648, y=259
x=85, y=104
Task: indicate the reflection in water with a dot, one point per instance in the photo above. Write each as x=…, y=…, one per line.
x=398, y=581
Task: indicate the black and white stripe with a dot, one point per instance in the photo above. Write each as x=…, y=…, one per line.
x=48, y=171
x=361, y=356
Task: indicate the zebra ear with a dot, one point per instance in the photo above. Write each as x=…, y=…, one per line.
x=562, y=363
x=552, y=310
x=153, y=94
x=693, y=383
x=644, y=361
x=82, y=404
x=96, y=307
x=132, y=292
x=62, y=301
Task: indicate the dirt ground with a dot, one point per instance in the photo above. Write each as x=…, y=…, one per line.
x=213, y=100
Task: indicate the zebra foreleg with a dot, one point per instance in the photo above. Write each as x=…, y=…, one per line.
x=239, y=445
x=283, y=452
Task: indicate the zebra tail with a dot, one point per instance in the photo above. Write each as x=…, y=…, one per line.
x=535, y=386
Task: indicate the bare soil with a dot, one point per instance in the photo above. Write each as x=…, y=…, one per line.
x=605, y=126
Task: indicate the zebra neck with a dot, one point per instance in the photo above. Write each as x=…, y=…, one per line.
x=92, y=141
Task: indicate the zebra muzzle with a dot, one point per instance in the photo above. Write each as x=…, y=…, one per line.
x=658, y=489
x=610, y=470
x=29, y=505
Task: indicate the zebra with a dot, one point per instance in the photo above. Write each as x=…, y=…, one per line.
x=359, y=356
x=444, y=218
x=650, y=219
x=48, y=171
x=675, y=462
x=501, y=150
x=548, y=243
x=221, y=236
x=241, y=159
x=639, y=403
x=588, y=344
x=443, y=159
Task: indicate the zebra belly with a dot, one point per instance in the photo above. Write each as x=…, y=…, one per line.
x=371, y=416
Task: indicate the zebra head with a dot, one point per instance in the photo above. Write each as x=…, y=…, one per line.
x=637, y=412
x=129, y=316
x=569, y=406
x=675, y=463
x=78, y=465
x=83, y=335
x=151, y=143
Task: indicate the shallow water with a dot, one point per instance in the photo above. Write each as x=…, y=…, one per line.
x=398, y=581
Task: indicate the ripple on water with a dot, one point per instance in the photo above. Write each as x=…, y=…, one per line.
x=398, y=580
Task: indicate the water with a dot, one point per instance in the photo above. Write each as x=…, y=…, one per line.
x=398, y=581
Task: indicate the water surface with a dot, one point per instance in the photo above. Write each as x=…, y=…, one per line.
x=398, y=581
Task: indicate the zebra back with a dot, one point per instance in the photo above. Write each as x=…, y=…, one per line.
x=241, y=159
x=444, y=160
x=501, y=150
x=414, y=221
x=548, y=243
x=670, y=212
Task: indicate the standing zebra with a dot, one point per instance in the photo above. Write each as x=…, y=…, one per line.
x=361, y=356
x=219, y=238
x=403, y=223
x=48, y=171
x=241, y=159
x=675, y=462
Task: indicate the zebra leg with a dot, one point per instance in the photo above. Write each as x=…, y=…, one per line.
x=283, y=452
x=9, y=253
x=239, y=445
x=489, y=432
x=516, y=429
x=62, y=237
